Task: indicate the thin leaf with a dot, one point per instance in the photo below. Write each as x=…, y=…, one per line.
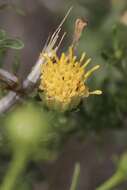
x=12, y=43
x=13, y=7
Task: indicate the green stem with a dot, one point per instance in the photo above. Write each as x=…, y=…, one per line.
x=115, y=180
x=16, y=167
x=75, y=178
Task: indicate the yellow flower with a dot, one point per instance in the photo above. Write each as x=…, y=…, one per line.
x=63, y=80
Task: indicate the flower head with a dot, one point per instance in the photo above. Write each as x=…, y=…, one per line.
x=63, y=80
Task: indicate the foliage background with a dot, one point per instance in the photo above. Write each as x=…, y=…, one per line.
x=98, y=134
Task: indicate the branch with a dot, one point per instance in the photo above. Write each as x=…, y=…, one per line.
x=8, y=79
x=13, y=97
x=8, y=101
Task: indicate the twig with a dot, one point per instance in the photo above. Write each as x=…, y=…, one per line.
x=8, y=101
x=8, y=79
x=12, y=97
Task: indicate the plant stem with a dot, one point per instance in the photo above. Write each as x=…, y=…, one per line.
x=16, y=167
x=75, y=178
x=115, y=180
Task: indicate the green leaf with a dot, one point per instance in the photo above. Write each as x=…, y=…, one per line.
x=13, y=7
x=12, y=43
x=2, y=35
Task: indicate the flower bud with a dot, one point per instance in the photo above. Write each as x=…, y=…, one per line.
x=26, y=126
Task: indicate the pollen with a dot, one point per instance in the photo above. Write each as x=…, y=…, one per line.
x=63, y=80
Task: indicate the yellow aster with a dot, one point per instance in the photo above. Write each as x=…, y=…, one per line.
x=63, y=80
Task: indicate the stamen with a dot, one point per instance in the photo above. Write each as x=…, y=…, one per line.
x=82, y=57
x=62, y=59
x=97, y=92
x=74, y=58
x=91, y=71
x=86, y=63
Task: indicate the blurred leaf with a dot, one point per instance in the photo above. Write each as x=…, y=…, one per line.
x=12, y=43
x=8, y=42
x=2, y=35
x=13, y=7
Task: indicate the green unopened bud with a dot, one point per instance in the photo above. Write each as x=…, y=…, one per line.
x=26, y=126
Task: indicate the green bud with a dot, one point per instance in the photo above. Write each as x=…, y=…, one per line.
x=27, y=126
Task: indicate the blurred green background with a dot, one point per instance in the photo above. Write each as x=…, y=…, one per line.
x=94, y=134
